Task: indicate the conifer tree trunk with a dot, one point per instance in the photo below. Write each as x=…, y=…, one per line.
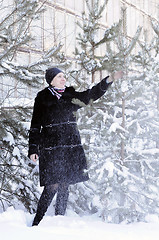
x=124, y=29
x=123, y=126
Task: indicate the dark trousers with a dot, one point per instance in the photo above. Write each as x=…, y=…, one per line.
x=46, y=198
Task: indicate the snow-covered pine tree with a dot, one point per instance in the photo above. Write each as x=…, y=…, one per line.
x=88, y=63
x=129, y=176
x=91, y=119
x=143, y=147
x=106, y=147
x=110, y=171
x=18, y=176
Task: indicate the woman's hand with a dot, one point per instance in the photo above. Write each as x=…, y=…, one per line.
x=34, y=157
x=115, y=76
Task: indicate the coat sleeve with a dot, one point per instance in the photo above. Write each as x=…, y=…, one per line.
x=34, y=132
x=94, y=93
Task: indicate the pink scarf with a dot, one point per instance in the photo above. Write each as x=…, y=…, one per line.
x=56, y=91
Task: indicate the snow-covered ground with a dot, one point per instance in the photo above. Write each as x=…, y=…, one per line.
x=16, y=225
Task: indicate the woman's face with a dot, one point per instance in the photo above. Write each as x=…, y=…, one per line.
x=59, y=80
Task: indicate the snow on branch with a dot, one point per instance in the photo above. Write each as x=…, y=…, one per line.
x=115, y=126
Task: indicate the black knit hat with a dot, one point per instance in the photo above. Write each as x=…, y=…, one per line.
x=51, y=73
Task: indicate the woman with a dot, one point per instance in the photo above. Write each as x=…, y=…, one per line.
x=55, y=140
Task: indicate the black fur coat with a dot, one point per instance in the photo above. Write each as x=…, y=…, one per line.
x=54, y=135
